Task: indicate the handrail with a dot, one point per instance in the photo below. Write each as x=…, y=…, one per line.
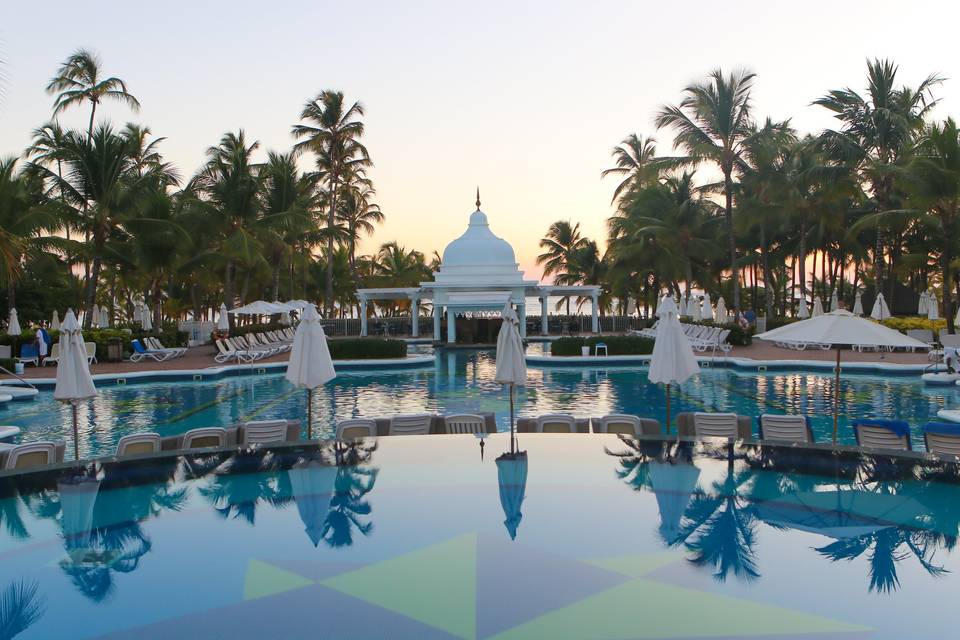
x=8, y=372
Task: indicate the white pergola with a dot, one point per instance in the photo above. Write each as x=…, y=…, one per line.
x=478, y=274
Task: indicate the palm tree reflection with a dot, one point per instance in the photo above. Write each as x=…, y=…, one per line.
x=348, y=506
x=20, y=608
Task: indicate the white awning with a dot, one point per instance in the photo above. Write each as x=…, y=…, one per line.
x=479, y=299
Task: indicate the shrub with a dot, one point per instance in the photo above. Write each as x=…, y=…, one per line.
x=915, y=322
x=7, y=363
x=367, y=348
x=616, y=345
x=776, y=323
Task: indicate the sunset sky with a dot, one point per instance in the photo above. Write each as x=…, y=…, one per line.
x=524, y=99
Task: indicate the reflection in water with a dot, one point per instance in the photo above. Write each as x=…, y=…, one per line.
x=20, y=607
x=348, y=506
x=512, y=480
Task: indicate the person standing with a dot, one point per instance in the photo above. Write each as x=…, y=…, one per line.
x=42, y=342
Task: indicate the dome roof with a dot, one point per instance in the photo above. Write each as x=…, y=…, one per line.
x=478, y=246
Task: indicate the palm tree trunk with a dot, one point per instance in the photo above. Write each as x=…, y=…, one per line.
x=92, y=289
x=731, y=237
x=328, y=302
x=93, y=111
x=946, y=257
x=767, y=279
x=803, y=258
x=11, y=296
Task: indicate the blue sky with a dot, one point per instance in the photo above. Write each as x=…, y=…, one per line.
x=524, y=99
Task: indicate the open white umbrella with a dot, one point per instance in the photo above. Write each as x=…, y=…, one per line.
x=104, y=317
x=803, y=312
x=310, y=364
x=55, y=321
x=840, y=328
x=721, y=312
x=672, y=360
x=312, y=484
x=223, y=322
x=880, y=309
x=673, y=484
x=145, y=320
x=922, y=304
x=933, y=307
x=511, y=362
x=834, y=301
x=817, y=307
x=858, y=304
x=74, y=382
x=706, y=309
x=95, y=316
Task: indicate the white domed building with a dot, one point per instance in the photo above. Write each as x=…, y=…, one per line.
x=478, y=275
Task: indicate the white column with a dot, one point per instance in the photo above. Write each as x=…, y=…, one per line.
x=451, y=326
x=595, y=314
x=363, y=317
x=522, y=313
x=415, y=317
x=544, y=321
x=437, y=310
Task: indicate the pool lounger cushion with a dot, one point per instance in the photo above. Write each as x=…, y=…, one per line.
x=234, y=436
x=899, y=428
x=437, y=425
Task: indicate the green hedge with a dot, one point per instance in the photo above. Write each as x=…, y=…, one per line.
x=169, y=336
x=367, y=348
x=616, y=345
x=7, y=363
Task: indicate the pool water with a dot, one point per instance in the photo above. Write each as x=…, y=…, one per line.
x=462, y=381
x=588, y=536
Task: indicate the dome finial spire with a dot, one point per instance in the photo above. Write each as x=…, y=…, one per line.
x=478, y=198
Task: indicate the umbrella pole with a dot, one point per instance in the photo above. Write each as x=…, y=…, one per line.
x=836, y=398
x=668, y=412
x=513, y=448
x=76, y=433
x=309, y=414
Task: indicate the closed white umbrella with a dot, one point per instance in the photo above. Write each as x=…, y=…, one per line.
x=956, y=320
x=693, y=309
x=137, y=311
x=13, y=324
x=682, y=308
x=858, y=304
x=817, y=307
x=145, y=320
x=95, y=316
x=706, y=309
x=55, y=321
x=803, y=313
x=285, y=319
x=672, y=360
x=310, y=364
x=312, y=484
x=933, y=307
x=721, y=313
x=104, y=317
x=223, y=322
x=511, y=362
x=74, y=382
x=922, y=304
x=834, y=301
x=839, y=328
x=880, y=310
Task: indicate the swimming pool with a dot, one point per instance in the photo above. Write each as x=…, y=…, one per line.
x=462, y=381
x=589, y=536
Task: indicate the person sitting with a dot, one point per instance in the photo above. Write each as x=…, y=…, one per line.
x=750, y=317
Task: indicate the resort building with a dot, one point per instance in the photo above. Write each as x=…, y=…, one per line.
x=478, y=275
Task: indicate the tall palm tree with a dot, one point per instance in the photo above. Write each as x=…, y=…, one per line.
x=358, y=213
x=332, y=131
x=636, y=162
x=561, y=243
x=711, y=123
x=79, y=79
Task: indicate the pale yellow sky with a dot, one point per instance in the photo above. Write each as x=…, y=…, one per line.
x=524, y=99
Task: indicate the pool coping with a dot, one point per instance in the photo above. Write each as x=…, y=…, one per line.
x=222, y=371
x=758, y=366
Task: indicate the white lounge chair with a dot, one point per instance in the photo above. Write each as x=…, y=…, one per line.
x=138, y=444
x=54, y=357
x=785, y=428
x=32, y=454
x=411, y=425
x=204, y=438
x=883, y=434
x=260, y=432
x=465, y=423
x=356, y=428
x=617, y=423
x=141, y=352
x=91, y=348
x=156, y=345
x=556, y=423
x=715, y=425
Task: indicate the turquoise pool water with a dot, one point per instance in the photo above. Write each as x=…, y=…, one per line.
x=462, y=381
x=588, y=536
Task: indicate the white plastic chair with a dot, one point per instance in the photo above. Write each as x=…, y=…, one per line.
x=54, y=357
x=556, y=423
x=264, y=432
x=617, y=423
x=412, y=425
x=785, y=428
x=138, y=444
x=715, y=425
x=91, y=348
x=465, y=423
x=356, y=428
x=204, y=438
x=32, y=454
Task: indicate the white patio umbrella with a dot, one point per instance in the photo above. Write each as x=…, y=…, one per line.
x=682, y=306
x=880, y=309
x=933, y=308
x=104, y=317
x=672, y=360
x=956, y=320
x=693, y=309
x=511, y=362
x=673, y=484
x=310, y=364
x=74, y=382
x=834, y=301
x=706, y=309
x=312, y=484
x=858, y=304
x=223, y=322
x=817, y=307
x=13, y=324
x=146, y=321
x=922, y=304
x=285, y=319
x=803, y=313
x=720, y=315
x=55, y=321
x=95, y=316
x=840, y=328
x=137, y=311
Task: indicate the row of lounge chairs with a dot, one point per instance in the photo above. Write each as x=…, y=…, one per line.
x=153, y=349
x=254, y=346
x=702, y=337
x=54, y=357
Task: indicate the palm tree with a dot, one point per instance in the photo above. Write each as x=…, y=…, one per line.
x=711, y=123
x=286, y=208
x=20, y=608
x=877, y=136
x=358, y=214
x=333, y=134
x=79, y=79
x=562, y=241
x=636, y=162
